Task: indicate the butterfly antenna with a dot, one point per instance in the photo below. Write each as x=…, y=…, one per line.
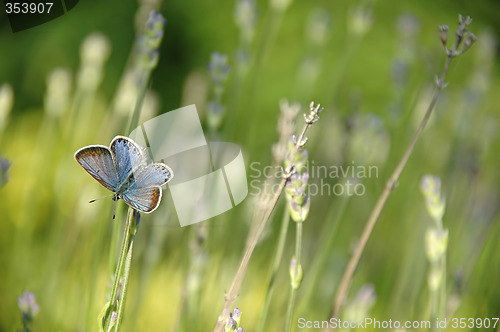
x=92, y=201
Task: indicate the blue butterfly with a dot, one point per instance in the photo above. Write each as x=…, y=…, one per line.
x=122, y=168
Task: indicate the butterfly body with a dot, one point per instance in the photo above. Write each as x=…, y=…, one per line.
x=122, y=169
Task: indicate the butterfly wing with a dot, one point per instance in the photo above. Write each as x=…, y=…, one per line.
x=143, y=199
x=127, y=155
x=98, y=162
x=145, y=193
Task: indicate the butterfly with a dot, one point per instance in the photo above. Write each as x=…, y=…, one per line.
x=122, y=168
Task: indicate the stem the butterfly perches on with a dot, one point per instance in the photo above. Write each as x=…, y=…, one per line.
x=112, y=313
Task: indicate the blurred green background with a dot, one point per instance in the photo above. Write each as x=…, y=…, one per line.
x=370, y=64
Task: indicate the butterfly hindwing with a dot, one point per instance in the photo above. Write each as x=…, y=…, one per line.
x=127, y=155
x=145, y=193
x=98, y=162
x=143, y=199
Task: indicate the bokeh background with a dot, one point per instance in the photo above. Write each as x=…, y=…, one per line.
x=371, y=64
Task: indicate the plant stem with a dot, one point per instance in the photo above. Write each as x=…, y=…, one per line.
x=294, y=288
x=231, y=295
x=140, y=98
x=267, y=40
x=240, y=274
x=276, y=264
x=325, y=243
x=122, y=270
x=442, y=295
x=289, y=310
x=113, y=248
x=126, y=275
x=390, y=185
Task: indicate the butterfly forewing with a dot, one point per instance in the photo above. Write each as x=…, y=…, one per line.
x=97, y=161
x=152, y=175
x=128, y=156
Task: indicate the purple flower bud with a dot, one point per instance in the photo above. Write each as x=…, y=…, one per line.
x=304, y=178
x=218, y=67
x=28, y=305
x=155, y=22
x=237, y=313
x=4, y=167
x=113, y=317
x=230, y=323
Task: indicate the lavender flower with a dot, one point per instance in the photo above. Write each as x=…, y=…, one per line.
x=29, y=308
x=218, y=69
x=295, y=274
x=233, y=322
x=151, y=40
x=28, y=305
x=4, y=167
x=245, y=16
x=298, y=202
x=300, y=159
x=435, y=201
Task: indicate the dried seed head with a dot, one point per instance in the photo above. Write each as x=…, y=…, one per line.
x=471, y=39
x=443, y=33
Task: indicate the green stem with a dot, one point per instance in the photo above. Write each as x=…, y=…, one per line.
x=441, y=265
x=338, y=75
x=140, y=98
x=298, y=247
x=122, y=269
x=442, y=302
x=289, y=311
x=115, y=236
x=434, y=301
x=267, y=40
x=389, y=187
x=294, y=288
x=276, y=264
x=121, y=306
x=334, y=214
